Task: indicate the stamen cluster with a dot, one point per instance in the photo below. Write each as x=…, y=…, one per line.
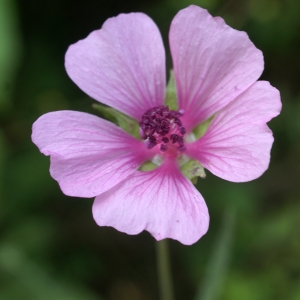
x=160, y=125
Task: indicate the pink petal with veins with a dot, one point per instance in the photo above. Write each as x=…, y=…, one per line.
x=237, y=145
x=161, y=201
x=213, y=63
x=88, y=154
x=122, y=64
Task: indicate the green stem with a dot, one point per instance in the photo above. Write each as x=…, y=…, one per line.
x=164, y=270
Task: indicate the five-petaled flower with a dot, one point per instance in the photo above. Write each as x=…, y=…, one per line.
x=123, y=66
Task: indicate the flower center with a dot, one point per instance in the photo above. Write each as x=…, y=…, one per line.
x=161, y=126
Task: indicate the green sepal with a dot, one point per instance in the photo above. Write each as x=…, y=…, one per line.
x=171, y=97
x=192, y=170
x=147, y=166
x=194, y=180
x=128, y=124
x=200, y=130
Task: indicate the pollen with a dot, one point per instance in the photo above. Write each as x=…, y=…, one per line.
x=163, y=127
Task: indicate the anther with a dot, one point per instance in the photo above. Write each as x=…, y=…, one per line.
x=160, y=125
x=163, y=148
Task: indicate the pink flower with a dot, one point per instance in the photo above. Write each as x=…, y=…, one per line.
x=123, y=65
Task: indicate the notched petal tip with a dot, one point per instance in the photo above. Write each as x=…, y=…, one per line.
x=213, y=63
x=162, y=201
x=237, y=144
x=121, y=65
x=89, y=155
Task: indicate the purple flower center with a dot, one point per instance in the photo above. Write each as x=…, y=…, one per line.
x=161, y=126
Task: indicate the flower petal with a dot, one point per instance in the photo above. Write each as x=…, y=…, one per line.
x=88, y=154
x=122, y=64
x=237, y=145
x=161, y=201
x=213, y=63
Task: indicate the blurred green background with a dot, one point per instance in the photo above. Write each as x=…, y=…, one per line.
x=50, y=247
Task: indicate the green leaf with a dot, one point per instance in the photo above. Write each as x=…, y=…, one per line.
x=171, y=97
x=130, y=125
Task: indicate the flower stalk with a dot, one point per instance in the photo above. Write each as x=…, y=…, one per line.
x=164, y=270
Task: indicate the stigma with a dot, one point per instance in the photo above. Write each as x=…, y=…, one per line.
x=163, y=127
